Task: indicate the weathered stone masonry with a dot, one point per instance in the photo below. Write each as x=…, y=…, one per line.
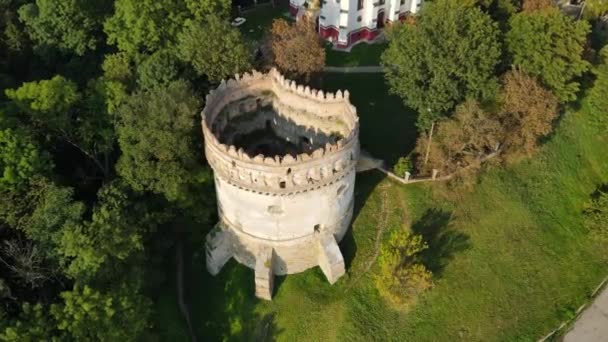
x=280, y=214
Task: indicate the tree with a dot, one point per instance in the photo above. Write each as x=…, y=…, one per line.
x=596, y=8
x=212, y=57
x=296, y=48
x=528, y=113
x=87, y=314
x=20, y=159
x=537, y=5
x=48, y=102
x=597, y=96
x=203, y=8
x=70, y=25
x=157, y=133
x=463, y=140
x=115, y=233
x=402, y=277
x=158, y=70
x=34, y=323
x=499, y=10
x=118, y=67
x=145, y=26
x=26, y=262
x=450, y=54
x=549, y=45
x=56, y=108
x=43, y=213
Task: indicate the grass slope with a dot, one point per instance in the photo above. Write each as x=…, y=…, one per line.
x=511, y=257
x=362, y=54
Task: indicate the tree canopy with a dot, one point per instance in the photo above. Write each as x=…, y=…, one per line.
x=69, y=25
x=157, y=134
x=199, y=44
x=550, y=45
x=296, y=48
x=451, y=53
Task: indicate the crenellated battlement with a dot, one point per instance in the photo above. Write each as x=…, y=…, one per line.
x=326, y=122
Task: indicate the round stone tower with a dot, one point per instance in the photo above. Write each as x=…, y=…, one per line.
x=284, y=160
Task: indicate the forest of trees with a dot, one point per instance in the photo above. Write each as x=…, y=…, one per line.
x=101, y=166
x=100, y=156
x=488, y=77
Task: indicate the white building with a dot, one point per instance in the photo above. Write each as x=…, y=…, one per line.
x=346, y=22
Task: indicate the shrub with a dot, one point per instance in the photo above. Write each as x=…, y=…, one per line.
x=403, y=165
x=596, y=214
x=402, y=277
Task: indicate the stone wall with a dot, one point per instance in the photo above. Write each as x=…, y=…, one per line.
x=281, y=214
x=280, y=175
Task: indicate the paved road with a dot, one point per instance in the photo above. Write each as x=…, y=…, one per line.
x=374, y=69
x=592, y=326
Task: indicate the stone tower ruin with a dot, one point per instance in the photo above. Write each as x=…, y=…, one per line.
x=284, y=159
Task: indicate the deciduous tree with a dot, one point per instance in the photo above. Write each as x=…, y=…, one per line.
x=549, y=45
x=528, y=113
x=402, y=277
x=158, y=70
x=596, y=8
x=20, y=159
x=119, y=314
x=145, y=26
x=537, y=5
x=463, y=140
x=158, y=136
x=211, y=56
x=598, y=98
x=296, y=48
x=451, y=53
x=56, y=108
x=69, y=25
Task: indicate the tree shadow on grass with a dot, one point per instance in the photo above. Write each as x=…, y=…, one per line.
x=267, y=329
x=365, y=184
x=444, y=242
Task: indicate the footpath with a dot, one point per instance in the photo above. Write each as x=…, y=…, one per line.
x=592, y=325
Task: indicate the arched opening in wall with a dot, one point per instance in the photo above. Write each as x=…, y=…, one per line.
x=304, y=142
x=341, y=189
x=289, y=171
x=317, y=228
x=233, y=163
x=380, y=20
x=282, y=184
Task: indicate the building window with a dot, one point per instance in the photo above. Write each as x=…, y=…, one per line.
x=359, y=19
x=381, y=2
x=402, y=2
x=360, y=4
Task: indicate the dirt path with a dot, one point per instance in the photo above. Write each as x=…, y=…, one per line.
x=382, y=222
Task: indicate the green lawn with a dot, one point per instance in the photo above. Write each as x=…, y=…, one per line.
x=361, y=55
x=259, y=20
x=510, y=257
